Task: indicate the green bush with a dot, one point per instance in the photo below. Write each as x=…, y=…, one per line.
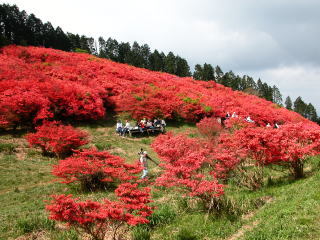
x=186, y=234
x=162, y=215
x=28, y=225
x=7, y=148
x=141, y=233
x=103, y=146
x=146, y=141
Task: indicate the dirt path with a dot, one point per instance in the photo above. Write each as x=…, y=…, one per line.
x=251, y=225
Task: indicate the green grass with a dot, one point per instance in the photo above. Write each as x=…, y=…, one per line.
x=281, y=209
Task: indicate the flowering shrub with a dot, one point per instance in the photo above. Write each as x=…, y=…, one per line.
x=94, y=169
x=80, y=86
x=288, y=146
x=20, y=106
x=52, y=137
x=97, y=219
x=186, y=166
x=209, y=127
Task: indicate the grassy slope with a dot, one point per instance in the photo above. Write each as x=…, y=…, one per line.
x=290, y=212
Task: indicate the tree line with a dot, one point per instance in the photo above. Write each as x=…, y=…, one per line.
x=18, y=27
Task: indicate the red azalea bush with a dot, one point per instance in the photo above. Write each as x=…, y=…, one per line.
x=52, y=137
x=97, y=219
x=94, y=169
x=80, y=86
x=288, y=146
x=73, y=100
x=21, y=106
x=187, y=167
x=209, y=127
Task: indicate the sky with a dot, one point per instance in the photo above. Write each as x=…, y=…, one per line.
x=275, y=40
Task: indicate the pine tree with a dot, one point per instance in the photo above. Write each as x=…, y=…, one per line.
x=300, y=106
x=276, y=95
x=183, y=69
x=311, y=113
x=288, y=103
x=123, y=51
x=198, y=72
x=208, y=72
x=170, y=63
x=219, y=74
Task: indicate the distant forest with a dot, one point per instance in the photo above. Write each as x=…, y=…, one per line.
x=18, y=27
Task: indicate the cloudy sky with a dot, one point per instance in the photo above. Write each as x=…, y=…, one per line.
x=275, y=40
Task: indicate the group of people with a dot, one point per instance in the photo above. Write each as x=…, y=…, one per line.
x=143, y=125
x=248, y=119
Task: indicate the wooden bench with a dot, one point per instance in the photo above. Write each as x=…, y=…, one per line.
x=148, y=131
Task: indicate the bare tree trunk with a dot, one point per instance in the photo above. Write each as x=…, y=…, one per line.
x=298, y=169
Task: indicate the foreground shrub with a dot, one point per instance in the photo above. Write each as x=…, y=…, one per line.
x=287, y=146
x=95, y=170
x=186, y=167
x=98, y=219
x=52, y=137
x=7, y=148
x=186, y=234
x=209, y=127
x=28, y=225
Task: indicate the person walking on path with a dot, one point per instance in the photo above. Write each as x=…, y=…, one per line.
x=144, y=157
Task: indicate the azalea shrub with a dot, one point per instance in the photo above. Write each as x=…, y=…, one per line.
x=83, y=87
x=187, y=167
x=107, y=217
x=209, y=127
x=95, y=170
x=55, y=138
x=287, y=146
x=22, y=107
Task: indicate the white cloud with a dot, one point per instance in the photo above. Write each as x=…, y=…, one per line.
x=295, y=81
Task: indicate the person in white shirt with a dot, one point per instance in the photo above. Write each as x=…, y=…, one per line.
x=144, y=121
x=144, y=157
x=248, y=119
x=268, y=125
x=126, y=128
x=119, y=127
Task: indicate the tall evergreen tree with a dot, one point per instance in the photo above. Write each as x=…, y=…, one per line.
x=123, y=51
x=276, y=95
x=182, y=67
x=300, y=106
x=145, y=55
x=170, y=63
x=112, y=49
x=208, y=72
x=288, y=103
x=198, y=72
x=157, y=61
x=219, y=74
x=311, y=113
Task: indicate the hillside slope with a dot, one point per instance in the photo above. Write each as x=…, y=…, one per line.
x=80, y=86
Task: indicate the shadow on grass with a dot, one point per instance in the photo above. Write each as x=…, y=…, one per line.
x=16, y=133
